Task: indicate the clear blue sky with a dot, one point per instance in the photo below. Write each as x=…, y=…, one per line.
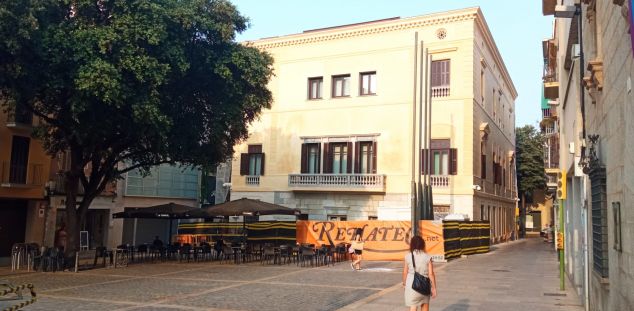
x=518, y=28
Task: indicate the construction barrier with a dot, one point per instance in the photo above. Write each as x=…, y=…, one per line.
x=466, y=238
x=383, y=240
x=18, y=291
x=262, y=231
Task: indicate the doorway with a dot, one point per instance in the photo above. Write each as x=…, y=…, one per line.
x=12, y=224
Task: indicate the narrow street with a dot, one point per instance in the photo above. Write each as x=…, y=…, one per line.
x=520, y=275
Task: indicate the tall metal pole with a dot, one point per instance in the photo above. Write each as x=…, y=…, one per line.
x=422, y=185
x=430, y=203
x=414, y=153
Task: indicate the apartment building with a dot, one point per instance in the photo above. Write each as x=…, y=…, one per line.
x=592, y=93
x=165, y=184
x=337, y=141
x=24, y=169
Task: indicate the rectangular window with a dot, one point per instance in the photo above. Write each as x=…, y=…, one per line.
x=255, y=164
x=366, y=156
x=164, y=181
x=440, y=165
x=337, y=217
x=483, y=166
x=440, y=78
x=495, y=105
x=252, y=163
x=19, y=159
x=599, y=221
x=311, y=155
x=341, y=86
x=368, y=83
x=315, y=87
x=482, y=87
x=339, y=158
x=444, y=159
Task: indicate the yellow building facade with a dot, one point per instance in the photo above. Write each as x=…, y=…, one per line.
x=24, y=171
x=337, y=141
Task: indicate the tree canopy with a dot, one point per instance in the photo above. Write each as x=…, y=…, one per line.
x=141, y=82
x=530, y=160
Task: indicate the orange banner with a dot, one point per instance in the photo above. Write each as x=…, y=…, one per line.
x=384, y=240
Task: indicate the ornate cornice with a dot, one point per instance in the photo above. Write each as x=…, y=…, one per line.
x=362, y=30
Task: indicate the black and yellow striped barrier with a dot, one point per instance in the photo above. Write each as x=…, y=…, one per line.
x=17, y=290
x=466, y=238
x=262, y=231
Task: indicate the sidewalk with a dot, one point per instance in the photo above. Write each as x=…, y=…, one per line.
x=519, y=275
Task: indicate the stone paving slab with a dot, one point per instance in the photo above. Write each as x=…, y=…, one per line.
x=144, y=290
x=277, y=297
x=514, y=276
x=49, y=304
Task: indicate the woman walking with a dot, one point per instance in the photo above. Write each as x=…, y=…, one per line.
x=357, y=245
x=423, y=265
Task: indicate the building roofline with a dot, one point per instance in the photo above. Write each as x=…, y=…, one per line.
x=388, y=25
x=362, y=28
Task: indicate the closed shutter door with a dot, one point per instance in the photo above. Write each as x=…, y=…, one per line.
x=349, y=154
x=424, y=158
x=327, y=159
x=244, y=164
x=453, y=165
x=357, y=157
x=262, y=165
x=304, y=159
x=374, y=153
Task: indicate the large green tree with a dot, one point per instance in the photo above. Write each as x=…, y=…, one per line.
x=140, y=82
x=531, y=175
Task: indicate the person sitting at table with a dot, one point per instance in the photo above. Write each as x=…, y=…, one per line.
x=157, y=243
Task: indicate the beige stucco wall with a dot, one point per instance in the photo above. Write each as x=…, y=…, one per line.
x=609, y=114
x=388, y=48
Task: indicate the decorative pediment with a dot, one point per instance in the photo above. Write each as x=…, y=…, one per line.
x=484, y=131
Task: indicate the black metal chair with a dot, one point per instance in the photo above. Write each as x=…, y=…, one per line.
x=101, y=252
x=306, y=254
x=286, y=254
x=185, y=252
x=269, y=254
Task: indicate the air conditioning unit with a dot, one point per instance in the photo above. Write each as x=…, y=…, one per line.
x=571, y=147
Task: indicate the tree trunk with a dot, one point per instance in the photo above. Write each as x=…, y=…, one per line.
x=73, y=219
x=523, y=217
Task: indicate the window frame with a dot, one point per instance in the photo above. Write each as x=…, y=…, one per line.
x=305, y=166
x=440, y=145
x=253, y=151
x=371, y=77
x=370, y=160
x=342, y=157
x=444, y=75
x=320, y=90
x=341, y=77
x=19, y=159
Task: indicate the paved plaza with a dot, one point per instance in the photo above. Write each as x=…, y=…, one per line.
x=520, y=275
